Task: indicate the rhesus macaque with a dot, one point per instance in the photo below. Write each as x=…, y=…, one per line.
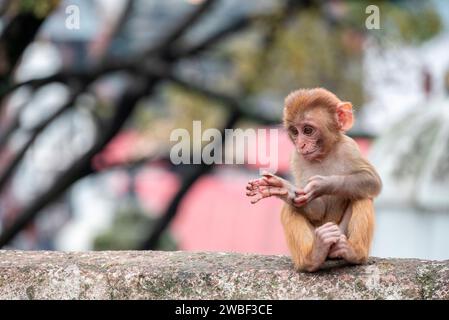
x=328, y=212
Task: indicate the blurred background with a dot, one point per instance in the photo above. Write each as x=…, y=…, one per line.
x=91, y=90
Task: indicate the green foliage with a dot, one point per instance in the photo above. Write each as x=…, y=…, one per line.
x=176, y=108
x=304, y=53
x=310, y=50
x=40, y=8
x=415, y=26
x=130, y=228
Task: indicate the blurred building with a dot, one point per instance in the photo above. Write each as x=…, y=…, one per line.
x=413, y=160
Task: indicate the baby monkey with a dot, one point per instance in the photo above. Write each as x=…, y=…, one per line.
x=328, y=212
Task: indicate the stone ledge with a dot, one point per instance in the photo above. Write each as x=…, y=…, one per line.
x=207, y=275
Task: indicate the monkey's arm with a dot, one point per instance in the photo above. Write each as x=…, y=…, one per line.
x=362, y=183
x=272, y=185
x=316, y=206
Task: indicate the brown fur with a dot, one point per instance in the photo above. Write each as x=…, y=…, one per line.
x=351, y=201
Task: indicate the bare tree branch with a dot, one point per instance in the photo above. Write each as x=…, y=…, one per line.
x=15, y=38
x=235, y=104
x=192, y=176
x=133, y=63
x=12, y=126
x=231, y=29
x=4, y=7
x=181, y=28
x=140, y=87
x=82, y=166
x=120, y=23
x=14, y=163
x=69, y=75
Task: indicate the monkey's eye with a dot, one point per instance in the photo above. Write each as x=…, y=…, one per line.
x=307, y=130
x=293, y=131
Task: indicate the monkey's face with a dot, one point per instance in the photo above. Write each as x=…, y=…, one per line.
x=307, y=140
x=315, y=120
x=311, y=134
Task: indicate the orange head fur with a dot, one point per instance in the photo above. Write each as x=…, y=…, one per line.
x=319, y=112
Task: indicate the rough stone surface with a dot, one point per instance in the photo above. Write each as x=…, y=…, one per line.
x=206, y=275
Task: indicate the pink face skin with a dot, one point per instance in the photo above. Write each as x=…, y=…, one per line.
x=308, y=133
x=307, y=139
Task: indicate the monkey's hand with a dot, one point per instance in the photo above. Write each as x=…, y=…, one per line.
x=271, y=185
x=342, y=249
x=316, y=187
x=326, y=236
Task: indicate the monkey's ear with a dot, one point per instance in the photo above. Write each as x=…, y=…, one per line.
x=344, y=115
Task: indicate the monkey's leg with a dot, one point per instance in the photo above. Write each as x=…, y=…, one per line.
x=308, y=247
x=355, y=246
x=344, y=222
x=361, y=229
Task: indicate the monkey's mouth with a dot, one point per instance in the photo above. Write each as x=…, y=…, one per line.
x=308, y=153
